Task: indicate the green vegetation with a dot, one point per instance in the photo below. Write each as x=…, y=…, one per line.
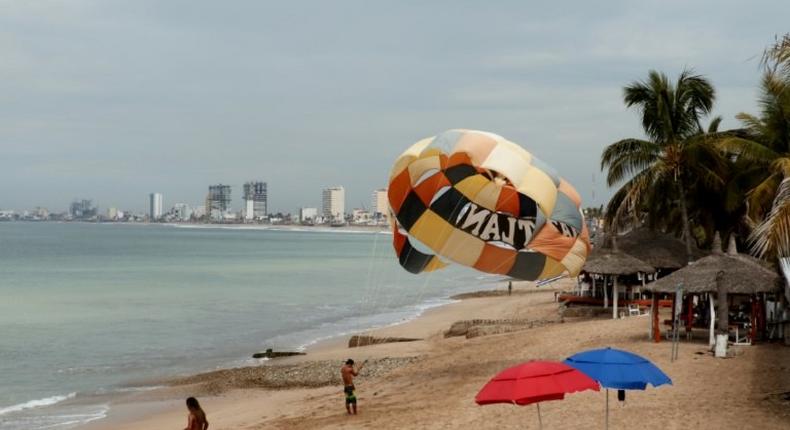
x=694, y=180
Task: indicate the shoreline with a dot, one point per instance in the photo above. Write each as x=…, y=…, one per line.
x=427, y=324
x=445, y=373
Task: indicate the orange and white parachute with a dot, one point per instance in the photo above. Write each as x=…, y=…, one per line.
x=487, y=204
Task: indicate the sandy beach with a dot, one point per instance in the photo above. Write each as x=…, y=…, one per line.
x=431, y=383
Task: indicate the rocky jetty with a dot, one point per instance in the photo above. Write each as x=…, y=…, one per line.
x=281, y=376
x=276, y=354
x=357, y=340
x=484, y=327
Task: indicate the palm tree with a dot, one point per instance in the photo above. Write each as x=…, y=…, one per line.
x=768, y=147
x=677, y=152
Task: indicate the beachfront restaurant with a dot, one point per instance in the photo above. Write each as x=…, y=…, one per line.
x=611, y=277
x=746, y=284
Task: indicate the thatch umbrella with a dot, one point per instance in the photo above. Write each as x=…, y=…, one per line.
x=660, y=250
x=743, y=274
x=720, y=274
x=610, y=261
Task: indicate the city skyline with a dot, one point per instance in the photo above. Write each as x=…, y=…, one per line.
x=110, y=100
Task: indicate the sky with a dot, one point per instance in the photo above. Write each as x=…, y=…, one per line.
x=112, y=100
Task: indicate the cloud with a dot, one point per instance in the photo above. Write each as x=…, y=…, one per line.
x=114, y=99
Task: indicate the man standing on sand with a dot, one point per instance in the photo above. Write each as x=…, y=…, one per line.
x=348, y=372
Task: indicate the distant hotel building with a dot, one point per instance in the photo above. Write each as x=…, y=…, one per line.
x=255, y=200
x=82, y=209
x=308, y=215
x=334, y=204
x=218, y=201
x=182, y=211
x=379, y=204
x=155, y=201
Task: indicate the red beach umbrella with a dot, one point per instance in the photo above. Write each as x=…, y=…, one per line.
x=534, y=382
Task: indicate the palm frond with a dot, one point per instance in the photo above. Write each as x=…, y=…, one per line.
x=761, y=195
x=771, y=238
x=713, y=127
x=747, y=149
x=627, y=157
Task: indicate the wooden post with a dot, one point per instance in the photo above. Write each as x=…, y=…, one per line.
x=614, y=298
x=642, y=290
x=605, y=294
x=712, y=338
x=654, y=316
x=689, y=313
x=753, y=319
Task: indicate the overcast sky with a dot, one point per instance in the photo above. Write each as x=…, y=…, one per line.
x=112, y=100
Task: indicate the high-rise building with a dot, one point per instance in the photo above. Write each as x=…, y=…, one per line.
x=218, y=201
x=112, y=213
x=155, y=202
x=334, y=204
x=378, y=203
x=255, y=200
x=82, y=209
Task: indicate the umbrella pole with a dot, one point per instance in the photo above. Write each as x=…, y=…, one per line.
x=607, y=409
x=540, y=421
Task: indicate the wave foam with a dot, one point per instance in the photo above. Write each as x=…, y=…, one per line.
x=47, y=401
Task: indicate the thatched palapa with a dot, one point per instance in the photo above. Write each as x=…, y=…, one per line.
x=660, y=250
x=742, y=274
x=607, y=261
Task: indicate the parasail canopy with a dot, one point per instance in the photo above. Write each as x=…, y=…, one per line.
x=488, y=204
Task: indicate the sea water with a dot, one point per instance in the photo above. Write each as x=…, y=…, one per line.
x=90, y=309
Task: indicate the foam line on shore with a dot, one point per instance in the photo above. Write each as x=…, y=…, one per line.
x=47, y=401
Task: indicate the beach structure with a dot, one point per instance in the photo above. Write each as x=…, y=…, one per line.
x=255, y=200
x=721, y=275
x=613, y=268
x=663, y=251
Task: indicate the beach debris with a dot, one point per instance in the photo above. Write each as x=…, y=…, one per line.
x=358, y=340
x=269, y=353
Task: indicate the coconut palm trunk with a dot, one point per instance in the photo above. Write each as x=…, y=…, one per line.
x=685, y=215
x=723, y=311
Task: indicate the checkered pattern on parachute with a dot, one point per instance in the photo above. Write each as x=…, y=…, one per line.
x=430, y=191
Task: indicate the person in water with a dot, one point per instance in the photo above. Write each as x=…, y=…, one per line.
x=348, y=372
x=197, y=418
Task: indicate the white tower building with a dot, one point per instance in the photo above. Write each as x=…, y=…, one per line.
x=334, y=203
x=155, y=205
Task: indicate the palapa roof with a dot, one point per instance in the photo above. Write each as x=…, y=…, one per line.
x=608, y=261
x=742, y=274
x=660, y=250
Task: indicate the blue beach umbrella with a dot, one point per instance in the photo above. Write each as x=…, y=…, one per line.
x=618, y=369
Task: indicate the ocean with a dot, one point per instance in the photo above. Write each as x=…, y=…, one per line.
x=87, y=310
